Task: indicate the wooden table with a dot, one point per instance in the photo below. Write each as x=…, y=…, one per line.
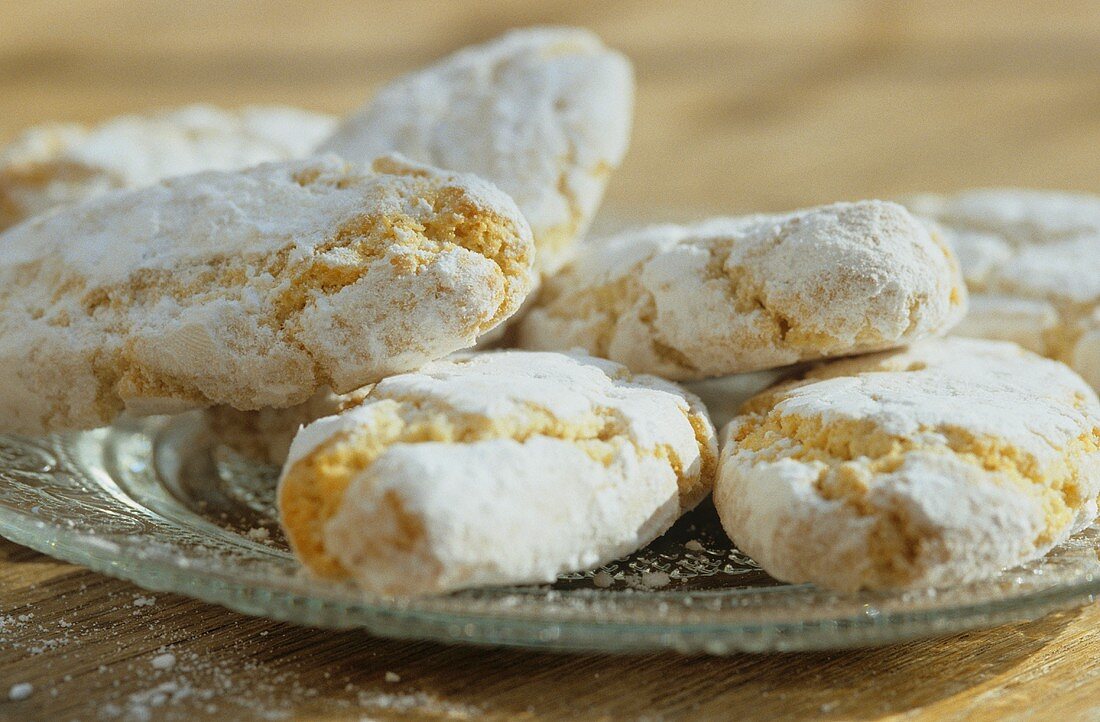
x=765, y=105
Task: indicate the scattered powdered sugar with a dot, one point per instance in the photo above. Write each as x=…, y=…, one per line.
x=421, y=702
x=15, y=629
x=643, y=582
x=655, y=580
x=258, y=533
x=20, y=691
x=88, y=668
x=602, y=579
x=140, y=705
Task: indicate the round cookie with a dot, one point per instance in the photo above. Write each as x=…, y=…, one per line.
x=731, y=295
x=931, y=466
x=1031, y=260
x=253, y=288
x=65, y=163
x=494, y=468
x=544, y=113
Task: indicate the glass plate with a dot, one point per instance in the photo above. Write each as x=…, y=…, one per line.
x=160, y=503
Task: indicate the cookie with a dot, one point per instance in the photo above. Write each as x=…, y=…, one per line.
x=543, y=113
x=731, y=295
x=65, y=163
x=931, y=466
x=494, y=468
x=1031, y=260
x=251, y=288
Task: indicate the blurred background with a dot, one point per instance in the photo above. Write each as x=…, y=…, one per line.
x=741, y=106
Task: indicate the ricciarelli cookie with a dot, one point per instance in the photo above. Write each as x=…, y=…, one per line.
x=931, y=466
x=731, y=295
x=254, y=288
x=1031, y=260
x=494, y=468
x=65, y=163
x=543, y=113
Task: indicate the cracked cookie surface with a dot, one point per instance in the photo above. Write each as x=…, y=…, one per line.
x=253, y=288
x=1031, y=260
x=61, y=164
x=544, y=113
x=931, y=466
x=731, y=295
x=494, y=468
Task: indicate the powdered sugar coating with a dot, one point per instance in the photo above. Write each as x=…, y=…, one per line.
x=936, y=465
x=65, y=163
x=252, y=288
x=731, y=295
x=1031, y=260
x=544, y=113
x=494, y=468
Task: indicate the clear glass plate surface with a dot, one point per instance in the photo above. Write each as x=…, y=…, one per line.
x=157, y=501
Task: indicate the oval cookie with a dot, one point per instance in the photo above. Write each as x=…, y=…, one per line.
x=65, y=163
x=494, y=468
x=543, y=113
x=1031, y=260
x=731, y=295
x=253, y=288
x=931, y=466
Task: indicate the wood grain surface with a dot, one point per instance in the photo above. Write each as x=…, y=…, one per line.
x=741, y=106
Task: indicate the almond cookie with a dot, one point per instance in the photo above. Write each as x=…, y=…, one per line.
x=494, y=468
x=65, y=163
x=931, y=466
x=250, y=288
x=543, y=113
x=731, y=295
x=1031, y=260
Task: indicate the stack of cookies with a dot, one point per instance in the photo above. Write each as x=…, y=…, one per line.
x=312, y=283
